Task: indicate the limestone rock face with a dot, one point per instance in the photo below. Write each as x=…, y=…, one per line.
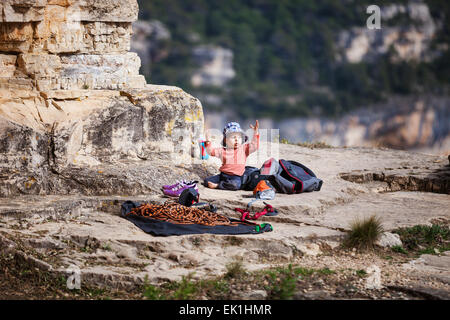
x=71, y=44
x=84, y=10
x=71, y=97
x=416, y=123
x=216, y=66
x=411, y=42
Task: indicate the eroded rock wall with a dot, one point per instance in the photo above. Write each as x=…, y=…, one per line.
x=70, y=44
x=408, y=42
x=418, y=123
x=71, y=94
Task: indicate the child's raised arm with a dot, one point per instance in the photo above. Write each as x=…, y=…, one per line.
x=254, y=144
x=255, y=127
x=214, y=152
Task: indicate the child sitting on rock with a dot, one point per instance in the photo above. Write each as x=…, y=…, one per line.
x=233, y=154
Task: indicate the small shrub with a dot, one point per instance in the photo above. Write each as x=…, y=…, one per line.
x=221, y=286
x=215, y=289
x=186, y=289
x=435, y=236
x=272, y=274
x=234, y=269
x=151, y=292
x=283, y=287
x=364, y=233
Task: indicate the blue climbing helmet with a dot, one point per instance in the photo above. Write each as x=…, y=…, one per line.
x=233, y=127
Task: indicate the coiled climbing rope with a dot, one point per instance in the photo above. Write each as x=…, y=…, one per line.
x=177, y=213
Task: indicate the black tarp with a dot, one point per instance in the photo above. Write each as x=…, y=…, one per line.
x=163, y=228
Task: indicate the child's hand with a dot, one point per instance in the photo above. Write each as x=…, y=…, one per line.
x=255, y=127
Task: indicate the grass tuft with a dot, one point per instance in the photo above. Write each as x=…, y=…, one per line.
x=235, y=269
x=364, y=233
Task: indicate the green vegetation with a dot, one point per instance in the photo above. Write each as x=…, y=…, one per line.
x=234, y=269
x=305, y=272
x=177, y=290
x=364, y=233
x=425, y=239
x=361, y=273
x=283, y=284
x=19, y=280
x=106, y=246
x=152, y=292
x=185, y=289
x=325, y=271
x=283, y=281
x=399, y=249
x=287, y=49
x=279, y=283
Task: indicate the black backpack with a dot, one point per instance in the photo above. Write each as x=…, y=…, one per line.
x=287, y=177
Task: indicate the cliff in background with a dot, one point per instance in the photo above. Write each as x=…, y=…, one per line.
x=315, y=63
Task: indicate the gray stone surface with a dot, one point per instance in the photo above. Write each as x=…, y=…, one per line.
x=389, y=239
x=437, y=266
x=98, y=137
x=87, y=231
x=69, y=158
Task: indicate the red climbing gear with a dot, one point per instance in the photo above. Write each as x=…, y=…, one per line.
x=268, y=210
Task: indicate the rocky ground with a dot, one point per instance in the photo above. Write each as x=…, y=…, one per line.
x=42, y=237
x=81, y=132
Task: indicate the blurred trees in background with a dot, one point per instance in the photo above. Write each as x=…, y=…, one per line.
x=286, y=48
